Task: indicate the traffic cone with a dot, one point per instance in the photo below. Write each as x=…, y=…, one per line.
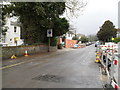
x=13, y=57
x=25, y=54
x=97, y=53
x=97, y=59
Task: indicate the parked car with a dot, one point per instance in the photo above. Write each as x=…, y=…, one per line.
x=75, y=46
x=88, y=43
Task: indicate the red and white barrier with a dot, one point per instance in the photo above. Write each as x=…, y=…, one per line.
x=114, y=85
x=115, y=62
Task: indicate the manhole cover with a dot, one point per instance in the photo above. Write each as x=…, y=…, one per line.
x=49, y=78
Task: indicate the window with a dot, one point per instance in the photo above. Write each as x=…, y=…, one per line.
x=15, y=29
x=10, y=39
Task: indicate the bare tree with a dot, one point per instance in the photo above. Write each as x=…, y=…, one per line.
x=74, y=7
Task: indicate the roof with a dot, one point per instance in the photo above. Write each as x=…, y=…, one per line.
x=14, y=20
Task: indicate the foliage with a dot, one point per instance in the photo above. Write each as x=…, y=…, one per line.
x=53, y=41
x=60, y=27
x=117, y=40
x=84, y=39
x=92, y=38
x=37, y=17
x=107, y=31
x=75, y=38
x=4, y=31
x=2, y=20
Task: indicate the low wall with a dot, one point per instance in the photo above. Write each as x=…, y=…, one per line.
x=69, y=43
x=7, y=52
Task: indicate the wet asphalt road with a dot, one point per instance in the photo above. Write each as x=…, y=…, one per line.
x=67, y=68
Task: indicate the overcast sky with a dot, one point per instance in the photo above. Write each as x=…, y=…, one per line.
x=95, y=14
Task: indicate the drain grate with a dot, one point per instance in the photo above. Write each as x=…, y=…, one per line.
x=49, y=78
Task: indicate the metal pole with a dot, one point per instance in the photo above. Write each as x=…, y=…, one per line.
x=48, y=44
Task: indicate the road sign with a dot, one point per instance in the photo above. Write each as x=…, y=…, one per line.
x=49, y=33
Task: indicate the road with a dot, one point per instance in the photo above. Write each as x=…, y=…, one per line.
x=67, y=68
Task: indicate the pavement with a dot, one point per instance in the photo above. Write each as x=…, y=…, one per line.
x=66, y=68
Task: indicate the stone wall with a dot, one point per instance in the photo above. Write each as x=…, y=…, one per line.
x=7, y=52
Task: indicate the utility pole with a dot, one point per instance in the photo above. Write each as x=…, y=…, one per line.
x=75, y=35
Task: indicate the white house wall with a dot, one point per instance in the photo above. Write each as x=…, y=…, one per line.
x=10, y=34
x=69, y=36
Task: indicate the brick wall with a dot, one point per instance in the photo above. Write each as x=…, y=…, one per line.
x=69, y=43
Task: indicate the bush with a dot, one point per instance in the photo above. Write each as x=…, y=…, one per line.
x=117, y=40
x=53, y=41
x=84, y=39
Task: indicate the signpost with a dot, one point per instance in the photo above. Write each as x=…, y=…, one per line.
x=49, y=34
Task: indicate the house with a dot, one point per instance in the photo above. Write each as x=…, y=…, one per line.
x=69, y=35
x=11, y=36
